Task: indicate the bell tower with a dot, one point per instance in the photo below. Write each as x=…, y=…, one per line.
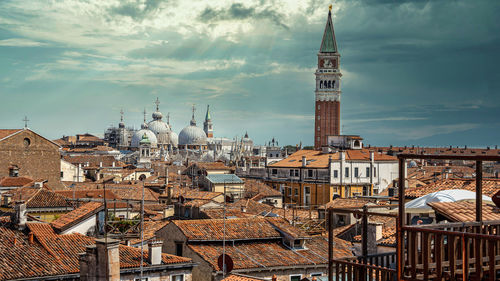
x=327, y=106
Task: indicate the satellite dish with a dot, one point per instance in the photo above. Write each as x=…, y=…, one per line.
x=496, y=198
x=227, y=260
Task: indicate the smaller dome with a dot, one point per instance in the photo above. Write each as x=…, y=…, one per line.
x=158, y=127
x=192, y=135
x=138, y=136
x=173, y=138
x=157, y=115
x=145, y=139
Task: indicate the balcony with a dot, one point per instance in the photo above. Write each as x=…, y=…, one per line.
x=451, y=251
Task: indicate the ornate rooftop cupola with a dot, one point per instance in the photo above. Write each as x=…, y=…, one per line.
x=327, y=107
x=207, y=125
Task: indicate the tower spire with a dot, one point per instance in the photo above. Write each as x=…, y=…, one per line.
x=168, y=118
x=328, y=44
x=207, y=117
x=193, y=121
x=157, y=102
x=144, y=115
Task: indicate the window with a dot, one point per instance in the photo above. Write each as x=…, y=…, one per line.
x=367, y=172
x=62, y=175
x=274, y=171
x=307, y=190
x=295, y=277
x=346, y=172
x=296, y=191
x=319, y=128
x=335, y=173
x=356, y=172
x=316, y=274
x=177, y=277
x=374, y=171
x=291, y=173
x=27, y=142
x=178, y=249
x=309, y=173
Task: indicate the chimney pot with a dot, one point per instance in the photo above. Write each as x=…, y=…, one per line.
x=154, y=252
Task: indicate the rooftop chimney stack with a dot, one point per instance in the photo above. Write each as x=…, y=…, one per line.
x=101, y=261
x=19, y=217
x=154, y=252
x=304, y=161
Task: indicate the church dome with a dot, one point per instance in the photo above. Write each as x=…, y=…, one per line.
x=157, y=115
x=173, y=138
x=158, y=127
x=192, y=135
x=138, y=135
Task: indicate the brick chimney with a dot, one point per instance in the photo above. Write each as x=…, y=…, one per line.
x=101, y=261
x=154, y=252
x=374, y=234
x=19, y=217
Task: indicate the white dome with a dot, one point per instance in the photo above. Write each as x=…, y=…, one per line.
x=192, y=135
x=158, y=126
x=174, y=138
x=137, y=137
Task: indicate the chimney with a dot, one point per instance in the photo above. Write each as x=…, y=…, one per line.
x=154, y=252
x=374, y=234
x=304, y=161
x=274, y=278
x=101, y=261
x=30, y=238
x=19, y=217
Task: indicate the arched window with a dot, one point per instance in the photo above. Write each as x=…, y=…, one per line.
x=329, y=84
x=333, y=84
x=321, y=84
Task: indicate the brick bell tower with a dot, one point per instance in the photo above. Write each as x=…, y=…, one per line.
x=327, y=107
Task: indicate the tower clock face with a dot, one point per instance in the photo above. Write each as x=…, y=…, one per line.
x=328, y=63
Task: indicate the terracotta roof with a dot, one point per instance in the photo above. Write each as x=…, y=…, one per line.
x=464, y=211
x=204, y=195
x=258, y=190
x=317, y=159
x=440, y=150
x=39, y=198
x=94, y=160
x=238, y=277
x=212, y=166
x=490, y=186
x=348, y=203
x=250, y=206
x=133, y=192
x=7, y=132
x=425, y=172
x=77, y=215
x=15, y=181
x=196, y=203
x=150, y=229
x=236, y=229
x=53, y=254
x=218, y=213
x=341, y=230
x=272, y=253
x=87, y=194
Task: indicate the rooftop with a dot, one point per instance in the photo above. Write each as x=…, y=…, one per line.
x=464, y=211
x=490, y=186
x=77, y=215
x=224, y=178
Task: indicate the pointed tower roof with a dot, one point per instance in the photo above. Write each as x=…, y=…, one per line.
x=329, y=44
x=207, y=117
x=193, y=121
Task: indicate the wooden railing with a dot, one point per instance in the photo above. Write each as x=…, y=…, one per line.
x=354, y=270
x=458, y=251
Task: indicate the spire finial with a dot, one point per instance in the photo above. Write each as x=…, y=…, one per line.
x=330, y=7
x=121, y=115
x=168, y=118
x=26, y=121
x=157, y=102
x=193, y=121
x=207, y=117
x=144, y=115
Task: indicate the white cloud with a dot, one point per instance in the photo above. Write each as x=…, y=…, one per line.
x=20, y=42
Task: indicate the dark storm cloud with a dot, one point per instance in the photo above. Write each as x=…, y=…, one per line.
x=238, y=11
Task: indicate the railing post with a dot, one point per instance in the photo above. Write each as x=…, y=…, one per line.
x=479, y=191
x=400, y=220
x=330, y=244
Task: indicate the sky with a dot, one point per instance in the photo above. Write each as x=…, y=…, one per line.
x=414, y=72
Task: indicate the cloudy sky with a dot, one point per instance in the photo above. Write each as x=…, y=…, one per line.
x=414, y=72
